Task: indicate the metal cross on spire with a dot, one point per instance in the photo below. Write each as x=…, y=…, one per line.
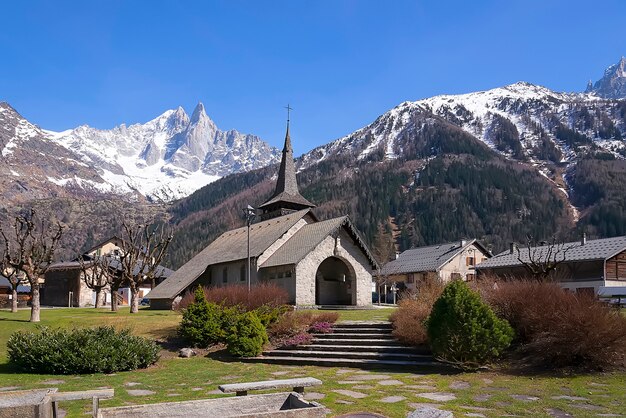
x=289, y=109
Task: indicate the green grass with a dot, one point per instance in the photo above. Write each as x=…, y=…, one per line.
x=377, y=314
x=194, y=378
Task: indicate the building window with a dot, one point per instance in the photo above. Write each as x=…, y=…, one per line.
x=469, y=261
x=225, y=275
x=410, y=278
x=469, y=277
x=288, y=273
x=242, y=273
x=456, y=276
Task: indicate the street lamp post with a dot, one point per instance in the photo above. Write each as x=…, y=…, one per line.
x=250, y=213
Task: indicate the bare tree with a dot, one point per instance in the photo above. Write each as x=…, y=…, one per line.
x=384, y=251
x=30, y=252
x=542, y=259
x=12, y=276
x=143, y=249
x=96, y=275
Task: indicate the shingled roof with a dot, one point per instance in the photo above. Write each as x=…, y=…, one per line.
x=286, y=184
x=230, y=246
x=310, y=236
x=423, y=259
x=597, y=249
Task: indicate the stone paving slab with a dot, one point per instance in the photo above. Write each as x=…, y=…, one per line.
x=351, y=393
x=475, y=414
x=459, y=385
x=558, y=413
x=215, y=392
x=371, y=377
x=349, y=382
x=340, y=401
x=430, y=412
x=392, y=399
x=437, y=396
x=525, y=398
x=391, y=382
x=314, y=396
x=9, y=388
x=140, y=392
x=421, y=387
x=484, y=397
x=570, y=398
x=131, y=384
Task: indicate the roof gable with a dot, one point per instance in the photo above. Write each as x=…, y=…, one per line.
x=310, y=236
x=430, y=258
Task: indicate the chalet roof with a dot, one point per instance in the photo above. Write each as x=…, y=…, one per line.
x=101, y=243
x=576, y=251
x=230, y=246
x=430, y=258
x=21, y=288
x=310, y=236
x=286, y=184
x=161, y=271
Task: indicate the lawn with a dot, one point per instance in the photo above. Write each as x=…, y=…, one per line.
x=174, y=379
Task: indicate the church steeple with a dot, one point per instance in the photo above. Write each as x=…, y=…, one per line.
x=286, y=197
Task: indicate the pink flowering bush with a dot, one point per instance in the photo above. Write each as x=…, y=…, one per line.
x=321, y=327
x=299, y=339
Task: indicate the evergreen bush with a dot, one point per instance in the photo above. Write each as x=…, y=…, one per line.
x=80, y=351
x=247, y=336
x=462, y=329
x=201, y=325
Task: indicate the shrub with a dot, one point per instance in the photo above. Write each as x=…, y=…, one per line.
x=247, y=336
x=560, y=329
x=269, y=314
x=264, y=294
x=321, y=328
x=462, y=329
x=80, y=351
x=410, y=317
x=202, y=322
x=302, y=338
x=294, y=323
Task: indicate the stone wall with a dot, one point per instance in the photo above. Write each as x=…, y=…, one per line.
x=345, y=249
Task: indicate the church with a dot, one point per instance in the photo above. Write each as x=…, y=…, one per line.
x=318, y=262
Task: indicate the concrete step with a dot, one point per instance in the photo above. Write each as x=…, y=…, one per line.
x=426, y=365
x=364, y=330
x=364, y=324
x=359, y=348
x=351, y=335
x=348, y=354
x=356, y=341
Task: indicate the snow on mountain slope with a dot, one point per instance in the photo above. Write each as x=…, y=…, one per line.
x=536, y=113
x=168, y=157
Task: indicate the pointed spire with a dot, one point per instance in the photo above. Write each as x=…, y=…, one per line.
x=286, y=197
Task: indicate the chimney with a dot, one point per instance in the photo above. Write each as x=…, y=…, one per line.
x=397, y=255
x=583, y=240
x=512, y=248
x=463, y=243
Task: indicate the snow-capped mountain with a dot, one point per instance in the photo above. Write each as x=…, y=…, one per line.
x=168, y=157
x=613, y=84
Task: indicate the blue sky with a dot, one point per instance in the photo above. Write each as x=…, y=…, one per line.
x=340, y=64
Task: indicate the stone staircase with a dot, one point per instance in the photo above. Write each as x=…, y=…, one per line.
x=354, y=344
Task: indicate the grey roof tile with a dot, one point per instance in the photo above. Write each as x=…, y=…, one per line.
x=597, y=249
x=230, y=246
x=302, y=242
x=423, y=259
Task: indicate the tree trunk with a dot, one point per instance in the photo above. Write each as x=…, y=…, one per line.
x=114, y=306
x=35, y=306
x=14, y=300
x=134, y=300
x=98, y=301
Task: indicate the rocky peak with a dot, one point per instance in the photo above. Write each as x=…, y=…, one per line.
x=613, y=84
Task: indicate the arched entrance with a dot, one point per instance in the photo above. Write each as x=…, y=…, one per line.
x=334, y=283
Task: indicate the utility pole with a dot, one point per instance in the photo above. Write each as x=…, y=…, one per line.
x=250, y=213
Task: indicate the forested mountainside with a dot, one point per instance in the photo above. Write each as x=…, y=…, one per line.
x=496, y=165
x=523, y=161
